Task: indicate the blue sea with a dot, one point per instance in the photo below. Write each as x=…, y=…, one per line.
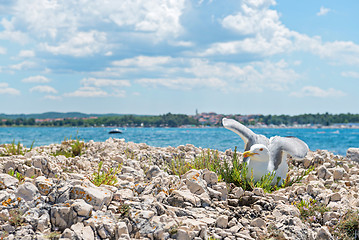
x=334, y=140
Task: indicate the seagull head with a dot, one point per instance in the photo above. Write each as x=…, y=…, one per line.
x=257, y=152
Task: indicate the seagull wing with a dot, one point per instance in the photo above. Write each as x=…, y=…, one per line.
x=291, y=145
x=247, y=135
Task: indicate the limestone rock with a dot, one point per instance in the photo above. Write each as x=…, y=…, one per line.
x=338, y=173
x=222, y=221
x=97, y=197
x=82, y=208
x=27, y=191
x=353, y=154
x=323, y=233
x=7, y=181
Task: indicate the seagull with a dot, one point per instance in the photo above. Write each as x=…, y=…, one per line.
x=265, y=155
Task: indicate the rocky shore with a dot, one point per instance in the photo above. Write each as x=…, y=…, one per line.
x=50, y=196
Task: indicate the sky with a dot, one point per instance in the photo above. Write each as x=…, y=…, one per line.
x=159, y=56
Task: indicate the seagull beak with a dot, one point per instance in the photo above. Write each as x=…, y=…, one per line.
x=248, y=154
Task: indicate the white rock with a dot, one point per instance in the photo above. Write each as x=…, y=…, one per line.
x=238, y=192
x=222, y=221
x=178, y=197
x=258, y=192
x=210, y=177
x=338, y=173
x=62, y=217
x=194, y=182
x=95, y=196
x=182, y=235
x=283, y=210
x=44, y=185
x=82, y=208
x=335, y=197
x=323, y=233
x=27, y=191
x=221, y=187
x=7, y=181
x=353, y=154
x=126, y=194
x=258, y=222
x=43, y=222
x=122, y=228
x=322, y=172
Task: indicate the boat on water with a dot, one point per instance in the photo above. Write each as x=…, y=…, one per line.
x=116, y=130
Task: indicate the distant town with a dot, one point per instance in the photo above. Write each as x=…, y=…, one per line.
x=210, y=119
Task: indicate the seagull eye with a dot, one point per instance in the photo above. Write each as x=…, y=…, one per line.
x=261, y=149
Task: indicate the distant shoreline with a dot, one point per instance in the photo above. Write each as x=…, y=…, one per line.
x=184, y=127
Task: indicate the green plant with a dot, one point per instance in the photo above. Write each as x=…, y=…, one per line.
x=16, y=149
x=311, y=211
x=105, y=177
x=348, y=226
x=289, y=182
x=18, y=175
x=129, y=153
x=124, y=209
x=71, y=147
x=173, y=230
x=15, y=217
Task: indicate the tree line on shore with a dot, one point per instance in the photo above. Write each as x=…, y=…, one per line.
x=176, y=120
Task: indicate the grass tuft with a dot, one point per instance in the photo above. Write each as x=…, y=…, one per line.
x=17, y=175
x=16, y=149
x=105, y=177
x=71, y=148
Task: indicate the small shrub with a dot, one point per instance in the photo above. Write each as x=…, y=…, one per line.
x=348, y=226
x=311, y=211
x=71, y=148
x=105, y=177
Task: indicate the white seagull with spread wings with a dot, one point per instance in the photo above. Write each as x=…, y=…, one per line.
x=265, y=155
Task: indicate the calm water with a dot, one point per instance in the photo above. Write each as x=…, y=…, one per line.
x=334, y=140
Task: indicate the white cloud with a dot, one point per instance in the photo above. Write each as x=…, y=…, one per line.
x=263, y=34
x=186, y=74
x=87, y=92
x=27, y=53
x=2, y=50
x=323, y=11
x=105, y=82
x=182, y=83
x=52, y=97
x=350, y=74
x=25, y=65
x=80, y=45
x=143, y=61
x=9, y=32
x=54, y=21
x=43, y=89
x=36, y=79
x=5, y=89
x=313, y=91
